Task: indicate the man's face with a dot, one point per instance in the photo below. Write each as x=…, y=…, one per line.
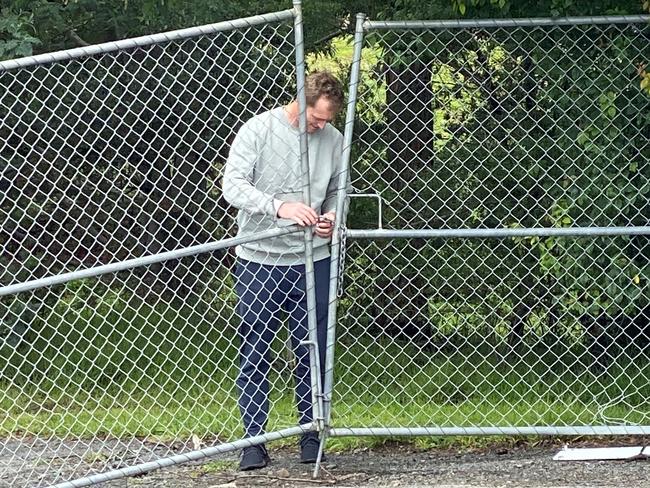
x=320, y=114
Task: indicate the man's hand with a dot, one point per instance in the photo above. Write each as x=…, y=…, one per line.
x=325, y=225
x=298, y=212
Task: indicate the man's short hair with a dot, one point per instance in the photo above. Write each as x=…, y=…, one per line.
x=323, y=84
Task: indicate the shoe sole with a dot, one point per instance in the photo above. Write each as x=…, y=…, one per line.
x=251, y=467
x=312, y=460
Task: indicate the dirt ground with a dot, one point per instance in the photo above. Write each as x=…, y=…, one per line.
x=399, y=465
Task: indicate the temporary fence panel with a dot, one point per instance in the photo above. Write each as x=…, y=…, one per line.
x=504, y=163
x=118, y=329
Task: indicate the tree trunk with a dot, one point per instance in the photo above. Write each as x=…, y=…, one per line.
x=410, y=124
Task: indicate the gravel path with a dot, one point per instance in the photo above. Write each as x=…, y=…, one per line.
x=406, y=466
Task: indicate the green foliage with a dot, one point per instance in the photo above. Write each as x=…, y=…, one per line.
x=524, y=135
x=15, y=39
x=338, y=60
x=543, y=8
x=645, y=80
x=461, y=5
x=60, y=25
x=67, y=24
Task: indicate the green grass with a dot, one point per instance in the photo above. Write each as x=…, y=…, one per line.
x=131, y=369
x=218, y=466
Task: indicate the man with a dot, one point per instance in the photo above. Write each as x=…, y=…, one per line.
x=263, y=179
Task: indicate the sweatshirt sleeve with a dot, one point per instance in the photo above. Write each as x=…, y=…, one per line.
x=238, y=188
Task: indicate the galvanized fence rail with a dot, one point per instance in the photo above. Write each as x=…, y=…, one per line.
x=118, y=330
x=496, y=267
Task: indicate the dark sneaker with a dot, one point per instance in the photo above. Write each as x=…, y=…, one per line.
x=309, y=444
x=253, y=457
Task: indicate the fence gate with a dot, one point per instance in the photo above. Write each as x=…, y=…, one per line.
x=117, y=327
x=497, y=261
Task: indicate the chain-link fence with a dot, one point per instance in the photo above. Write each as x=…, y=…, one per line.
x=118, y=332
x=507, y=163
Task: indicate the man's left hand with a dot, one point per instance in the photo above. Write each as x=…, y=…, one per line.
x=325, y=225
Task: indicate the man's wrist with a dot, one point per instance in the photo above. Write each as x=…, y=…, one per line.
x=277, y=203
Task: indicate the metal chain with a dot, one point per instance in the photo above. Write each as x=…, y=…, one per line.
x=343, y=232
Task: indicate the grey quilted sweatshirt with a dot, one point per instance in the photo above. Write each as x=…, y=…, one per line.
x=263, y=167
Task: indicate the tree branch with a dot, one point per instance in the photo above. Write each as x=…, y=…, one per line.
x=75, y=37
x=329, y=37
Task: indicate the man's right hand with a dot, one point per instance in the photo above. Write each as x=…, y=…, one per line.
x=298, y=212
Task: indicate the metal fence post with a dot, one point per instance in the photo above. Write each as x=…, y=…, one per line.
x=317, y=398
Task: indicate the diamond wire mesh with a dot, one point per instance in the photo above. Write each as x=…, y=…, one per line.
x=494, y=127
x=107, y=158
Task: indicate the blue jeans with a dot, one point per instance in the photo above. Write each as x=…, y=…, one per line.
x=265, y=291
